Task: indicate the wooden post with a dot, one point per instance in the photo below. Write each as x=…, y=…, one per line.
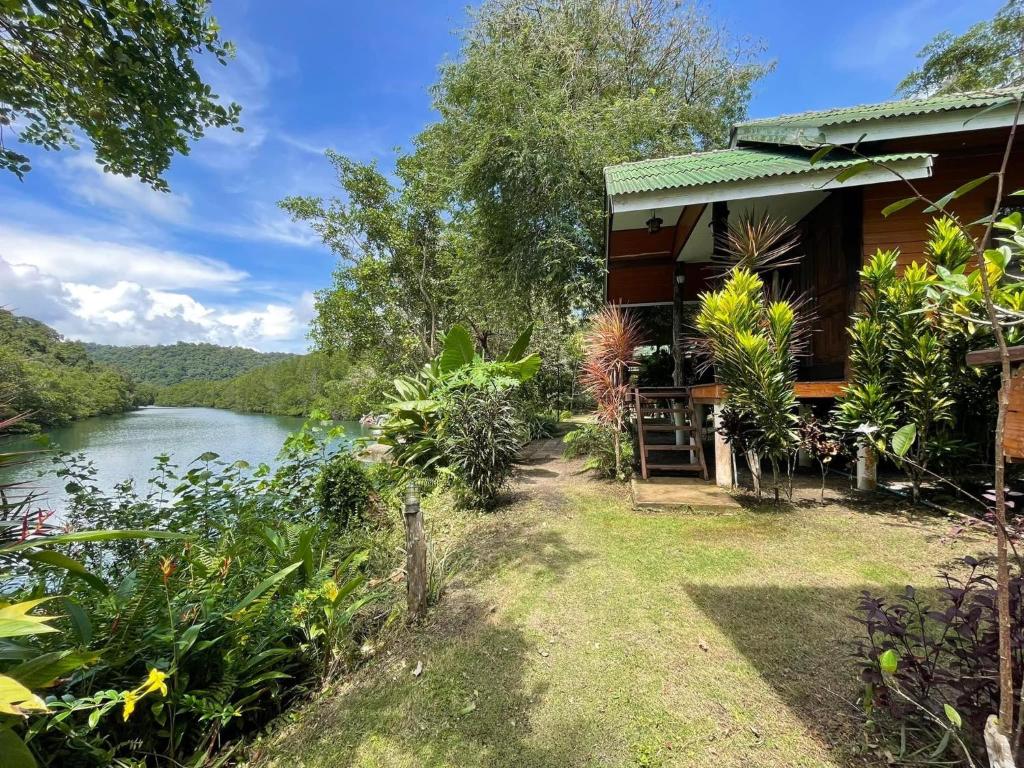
x=416, y=554
x=867, y=468
x=723, y=454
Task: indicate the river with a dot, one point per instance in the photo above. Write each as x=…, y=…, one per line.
x=123, y=446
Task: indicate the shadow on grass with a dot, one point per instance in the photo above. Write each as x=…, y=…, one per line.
x=801, y=641
x=470, y=706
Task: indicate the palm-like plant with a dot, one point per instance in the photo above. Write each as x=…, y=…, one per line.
x=752, y=340
x=610, y=342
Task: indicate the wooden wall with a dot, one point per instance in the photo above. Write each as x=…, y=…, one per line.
x=961, y=158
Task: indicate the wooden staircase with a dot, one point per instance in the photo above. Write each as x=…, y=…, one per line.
x=668, y=434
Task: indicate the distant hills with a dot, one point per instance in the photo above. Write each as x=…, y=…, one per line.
x=163, y=365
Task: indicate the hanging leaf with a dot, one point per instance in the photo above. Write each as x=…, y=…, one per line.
x=848, y=173
x=888, y=661
x=899, y=205
x=903, y=439
x=821, y=153
x=72, y=566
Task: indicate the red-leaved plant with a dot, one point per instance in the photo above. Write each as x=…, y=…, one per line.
x=613, y=336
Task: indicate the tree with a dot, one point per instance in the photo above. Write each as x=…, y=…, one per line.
x=120, y=71
x=988, y=55
x=546, y=94
x=390, y=295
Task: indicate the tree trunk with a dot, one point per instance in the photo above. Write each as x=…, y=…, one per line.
x=754, y=462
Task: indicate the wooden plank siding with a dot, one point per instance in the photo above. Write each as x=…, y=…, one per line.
x=961, y=157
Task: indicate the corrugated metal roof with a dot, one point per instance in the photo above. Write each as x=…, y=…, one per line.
x=725, y=165
x=886, y=109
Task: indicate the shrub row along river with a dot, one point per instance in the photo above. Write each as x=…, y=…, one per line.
x=123, y=446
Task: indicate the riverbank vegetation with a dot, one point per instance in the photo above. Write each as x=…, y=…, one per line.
x=54, y=381
x=295, y=386
x=231, y=591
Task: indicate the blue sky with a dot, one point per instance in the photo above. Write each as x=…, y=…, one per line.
x=103, y=258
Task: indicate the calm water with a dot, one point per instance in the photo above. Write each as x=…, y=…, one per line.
x=123, y=446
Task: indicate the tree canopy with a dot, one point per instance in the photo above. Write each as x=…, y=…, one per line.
x=53, y=380
x=165, y=364
x=121, y=72
x=496, y=215
x=988, y=55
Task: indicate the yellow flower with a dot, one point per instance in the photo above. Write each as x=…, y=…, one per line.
x=155, y=681
x=129, y=703
x=330, y=590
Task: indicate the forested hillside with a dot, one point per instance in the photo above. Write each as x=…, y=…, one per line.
x=55, y=380
x=291, y=387
x=174, y=363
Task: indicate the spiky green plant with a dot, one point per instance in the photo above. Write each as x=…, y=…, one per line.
x=750, y=339
x=901, y=382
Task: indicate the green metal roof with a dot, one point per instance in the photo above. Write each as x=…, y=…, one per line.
x=901, y=108
x=726, y=165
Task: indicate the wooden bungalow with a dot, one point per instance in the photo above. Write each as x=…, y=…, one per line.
x=665, y=216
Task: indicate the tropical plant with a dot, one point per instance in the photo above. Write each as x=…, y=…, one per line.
x=412, y=430
x=929, y=664
x=480, y=437
x=597, y=444
x=901, y=367
x=821, y=443
x=344, y=492
x=610, y=346
x=256, y=595
x=752, y=341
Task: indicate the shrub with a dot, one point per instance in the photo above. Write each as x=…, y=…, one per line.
x=751, y=339
x=903, y=359
x=344, y=492
x=480, y=437
x=541, y=424
x=596, y=443
x=930, y=660
x=610, y=344
x=179, y=647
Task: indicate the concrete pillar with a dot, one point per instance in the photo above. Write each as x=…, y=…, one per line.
x=803, y=456
x=723, y=454
x=867, y=468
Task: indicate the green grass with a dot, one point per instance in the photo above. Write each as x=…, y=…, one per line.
x=582, y=633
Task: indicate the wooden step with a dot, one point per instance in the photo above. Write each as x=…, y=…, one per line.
x=669, y=428
x=690, y=448
x=678, y=467
x=665, y=411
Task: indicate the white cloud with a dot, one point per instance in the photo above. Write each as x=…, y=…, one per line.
x=268, y=223
x=126, y=312
x=103, y=262
x=85, y=179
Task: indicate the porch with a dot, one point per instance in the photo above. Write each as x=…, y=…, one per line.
x=673, y=425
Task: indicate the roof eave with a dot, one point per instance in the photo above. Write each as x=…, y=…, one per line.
x=810, y=181
x=877, y=129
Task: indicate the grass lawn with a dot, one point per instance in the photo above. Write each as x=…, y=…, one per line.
x=579, y=632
